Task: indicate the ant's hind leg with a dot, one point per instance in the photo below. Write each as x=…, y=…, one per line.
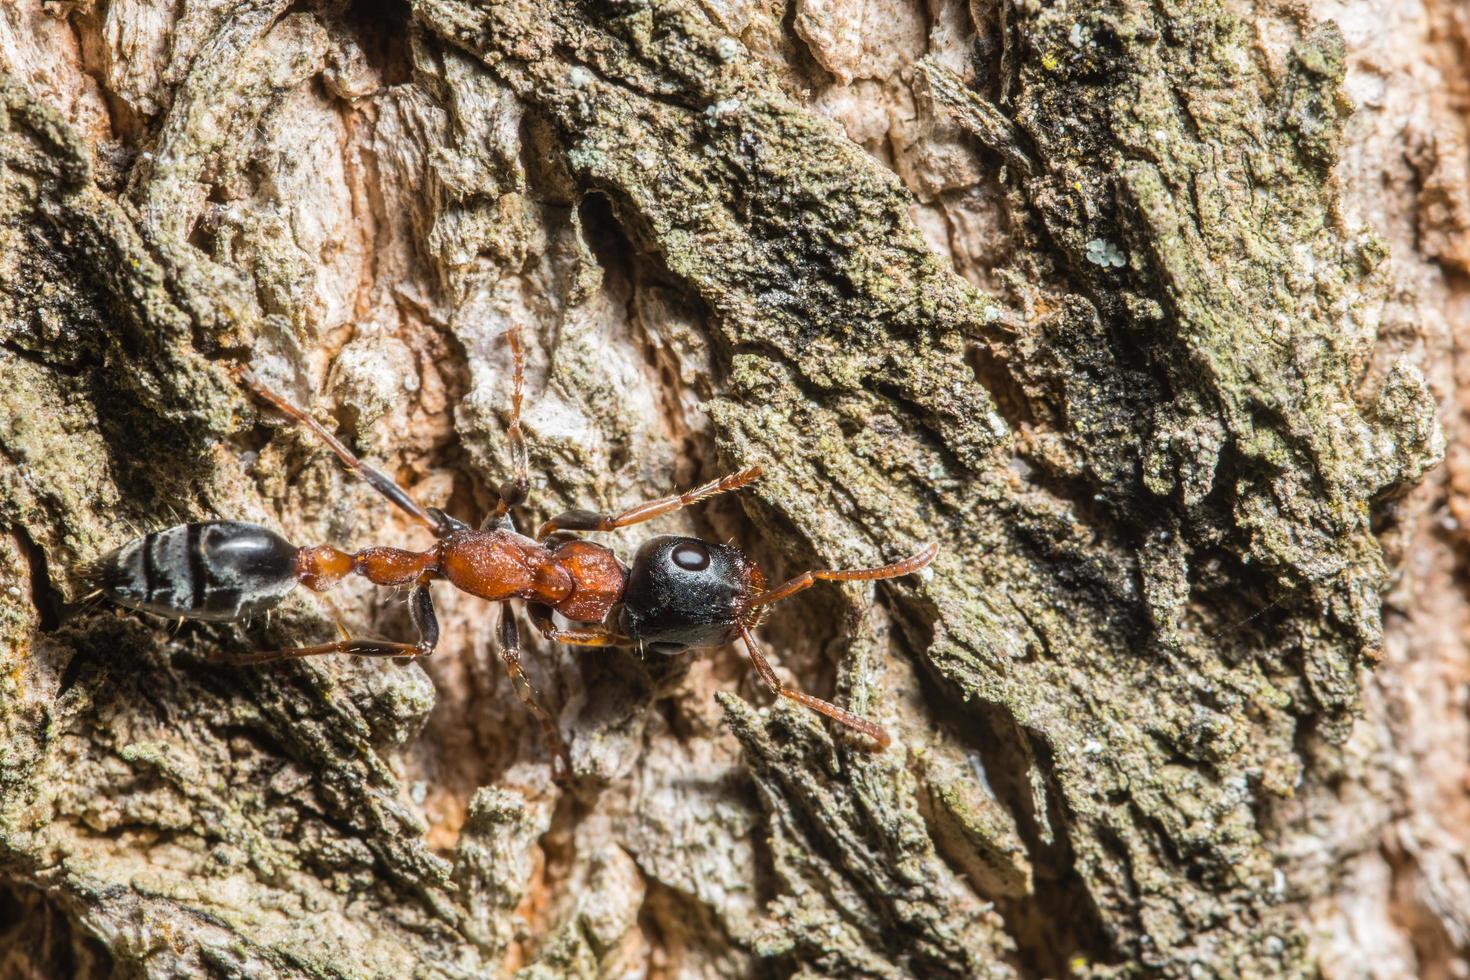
x=420, y=608
x=588, y=520
x=510, y=652
x=358, y=648
x=871, y=729
x=375, y=478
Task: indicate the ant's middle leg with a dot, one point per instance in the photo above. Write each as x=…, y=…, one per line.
x=420, y=609
x=378, y=480
x=335, y=613
x=513, y=491
x=510, y=653
x=589, y=520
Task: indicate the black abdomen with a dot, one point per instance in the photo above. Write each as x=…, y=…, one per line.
x=219, y=570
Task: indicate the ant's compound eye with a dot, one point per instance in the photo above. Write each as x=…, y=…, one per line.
x=692, y=556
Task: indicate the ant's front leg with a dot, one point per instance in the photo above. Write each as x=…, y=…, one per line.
x=872, y=730
x=510, y=652
x=589, y=520
x=420, y=609
x=594, y=636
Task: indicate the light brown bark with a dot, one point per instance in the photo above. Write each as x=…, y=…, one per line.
x=1150, y=313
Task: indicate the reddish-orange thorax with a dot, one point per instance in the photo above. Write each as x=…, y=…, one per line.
x=581, y=580
x=499, y=565
x=598, y=578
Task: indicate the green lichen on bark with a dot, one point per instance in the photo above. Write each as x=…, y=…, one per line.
x=1157, y=578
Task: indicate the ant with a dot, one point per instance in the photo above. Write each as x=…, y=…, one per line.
x=679, y=592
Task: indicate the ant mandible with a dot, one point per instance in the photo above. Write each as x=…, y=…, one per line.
x=680, y=592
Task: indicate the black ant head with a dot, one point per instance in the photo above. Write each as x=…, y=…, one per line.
x=684, y=592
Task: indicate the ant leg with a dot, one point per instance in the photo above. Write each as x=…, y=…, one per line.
x=421, y=611
x=451, y=524
x=378, y=480
x=358, y=648
x=420, y=608
x=806, y=579
x=588, y=520
x=513, y=491
x=596, y=636
x=510, y=652
x=871, y=729
x=342, y=629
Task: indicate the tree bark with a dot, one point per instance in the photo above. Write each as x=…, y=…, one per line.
x=1147, y=312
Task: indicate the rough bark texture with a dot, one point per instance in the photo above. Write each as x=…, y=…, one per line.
x=1146, y=311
